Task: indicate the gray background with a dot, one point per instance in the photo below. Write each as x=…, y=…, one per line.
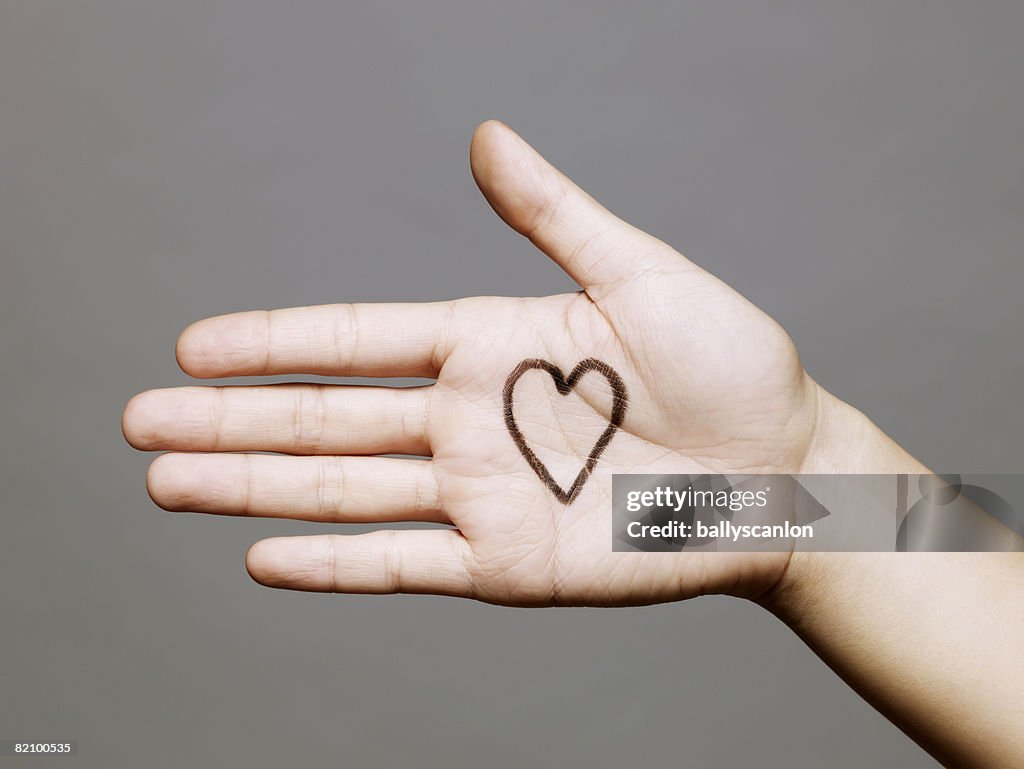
x=854, y=168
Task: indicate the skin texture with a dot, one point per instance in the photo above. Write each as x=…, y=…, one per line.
x=714, y=385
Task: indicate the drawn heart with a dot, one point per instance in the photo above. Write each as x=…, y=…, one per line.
x=565, y=385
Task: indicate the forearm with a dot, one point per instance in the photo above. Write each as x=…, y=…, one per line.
x=932, y=640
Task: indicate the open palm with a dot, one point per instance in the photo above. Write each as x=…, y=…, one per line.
x=713, y=385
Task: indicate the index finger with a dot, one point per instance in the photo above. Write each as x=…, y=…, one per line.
x=374, y=340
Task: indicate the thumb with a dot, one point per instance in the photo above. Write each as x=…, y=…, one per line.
x=534, y=198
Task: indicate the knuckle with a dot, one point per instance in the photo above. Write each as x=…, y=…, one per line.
x=308, y=412
x=392, y=562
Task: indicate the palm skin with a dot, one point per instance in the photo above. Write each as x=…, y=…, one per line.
x=714, y=386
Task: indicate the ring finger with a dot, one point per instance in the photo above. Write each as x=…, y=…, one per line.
x=325, y=489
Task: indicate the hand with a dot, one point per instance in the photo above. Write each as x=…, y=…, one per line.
x=714, y=386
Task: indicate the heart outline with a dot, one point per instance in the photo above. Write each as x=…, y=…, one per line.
x=565, y=385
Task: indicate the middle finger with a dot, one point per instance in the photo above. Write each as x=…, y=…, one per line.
x=287, y=418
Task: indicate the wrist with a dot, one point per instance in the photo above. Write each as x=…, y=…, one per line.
x=845, y=441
